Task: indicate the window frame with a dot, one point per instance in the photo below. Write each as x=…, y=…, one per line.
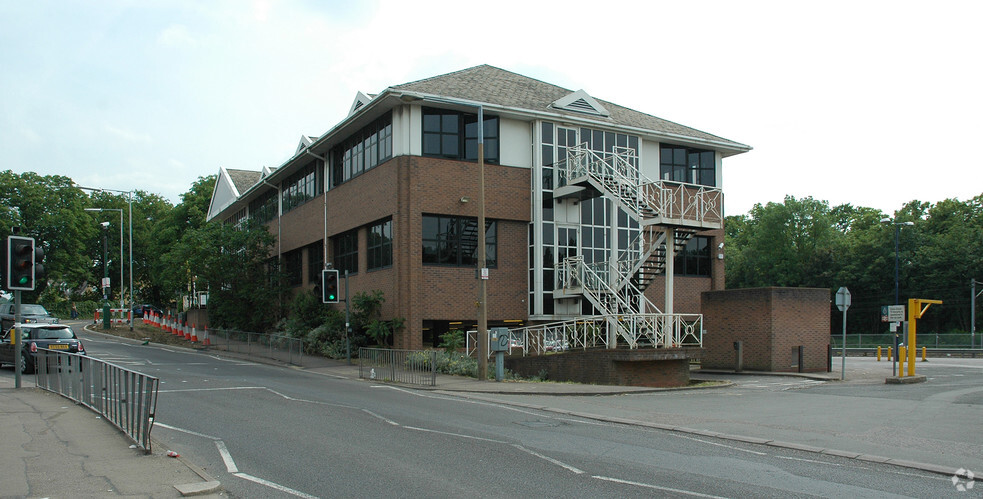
x=447, y=245
x=680, y=163
x=379, y=245
x=345, y=247
x=462, y=135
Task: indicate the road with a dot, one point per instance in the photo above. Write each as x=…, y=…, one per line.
x=269, y=431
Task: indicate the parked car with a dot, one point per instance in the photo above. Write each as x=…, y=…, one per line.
x=29, y=314
x=139, y=310
x=34, y=336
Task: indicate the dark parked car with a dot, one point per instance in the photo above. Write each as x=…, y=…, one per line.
x=51, y=336
x=29, y=314
x=139, y=310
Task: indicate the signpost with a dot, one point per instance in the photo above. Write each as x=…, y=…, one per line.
x=843, y=301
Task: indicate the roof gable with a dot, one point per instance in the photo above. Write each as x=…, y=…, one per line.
x=580, y=102
x=360, y=100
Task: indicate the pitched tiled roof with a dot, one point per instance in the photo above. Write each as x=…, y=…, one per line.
x=492, y=85
x=243, y=179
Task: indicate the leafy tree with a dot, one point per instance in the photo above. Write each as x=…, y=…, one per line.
x=50, y=209
x=234, y=266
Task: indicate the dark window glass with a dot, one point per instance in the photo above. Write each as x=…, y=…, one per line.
x=293, y=265
x=346, y=252
x=302, y=186
x=681, y=164
x=453, y=241
x=264, y=208
x=380, y=245
x=694, y=260
x=363, y=150
x=315, y=262
x=547, y=133
x=454, y=135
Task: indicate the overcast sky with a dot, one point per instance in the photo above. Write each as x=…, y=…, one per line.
x=869, y=103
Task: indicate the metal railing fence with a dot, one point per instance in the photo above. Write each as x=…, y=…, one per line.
x=280, y=347
x=127, y=399
x=417, y=367
x=927, y=339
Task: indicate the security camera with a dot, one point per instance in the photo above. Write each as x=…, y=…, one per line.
x=104, y=224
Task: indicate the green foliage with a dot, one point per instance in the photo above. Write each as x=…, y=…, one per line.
x=452, y=340
x=454, y=363
x=244, y=289
x=306, y=312
x=804, y=242
x=328, y=339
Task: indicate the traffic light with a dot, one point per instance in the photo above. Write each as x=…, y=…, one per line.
x=329, y=286
x=20, y=263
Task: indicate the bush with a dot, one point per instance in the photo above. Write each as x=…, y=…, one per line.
x=452, y=340
x=306, y=313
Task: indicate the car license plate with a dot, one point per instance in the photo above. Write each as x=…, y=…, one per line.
x=58, y=347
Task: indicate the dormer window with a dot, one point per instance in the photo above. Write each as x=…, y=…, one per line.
x=580, y=102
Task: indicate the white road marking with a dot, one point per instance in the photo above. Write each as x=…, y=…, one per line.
x=274, y=485
x=550, y=459
x=230, y=465
x=182, y=430
x=719, y=444
x=656, y=487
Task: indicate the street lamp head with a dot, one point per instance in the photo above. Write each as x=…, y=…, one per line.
x=886, y=220
x=909, y=223
x=93, y=209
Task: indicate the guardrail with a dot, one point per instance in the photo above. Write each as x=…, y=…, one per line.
x=283, y=348
x=127, y=399
x=418, y=367
x=929, y=352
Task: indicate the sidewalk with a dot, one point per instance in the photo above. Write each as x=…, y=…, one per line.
x=51, y=447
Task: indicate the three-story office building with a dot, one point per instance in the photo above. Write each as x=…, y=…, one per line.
x=589, y=205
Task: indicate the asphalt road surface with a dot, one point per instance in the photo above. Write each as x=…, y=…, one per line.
x=269, y=431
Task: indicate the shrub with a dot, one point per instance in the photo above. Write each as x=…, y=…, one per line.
x=452, y=340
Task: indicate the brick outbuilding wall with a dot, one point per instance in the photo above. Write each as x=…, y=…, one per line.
x=643, y=367
x=772, y=323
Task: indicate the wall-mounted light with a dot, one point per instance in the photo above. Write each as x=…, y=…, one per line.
x=465, y=199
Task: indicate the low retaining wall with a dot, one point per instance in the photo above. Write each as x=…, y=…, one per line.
x=667, y=367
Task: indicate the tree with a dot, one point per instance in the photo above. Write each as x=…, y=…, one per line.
x=235, y=266
x=50, y=209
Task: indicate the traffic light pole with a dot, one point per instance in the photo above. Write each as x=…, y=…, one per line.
x=15, y=339
x=348, y=343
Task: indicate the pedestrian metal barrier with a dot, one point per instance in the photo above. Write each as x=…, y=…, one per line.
x=274, y=346
x=127, y=399
x=418, y=367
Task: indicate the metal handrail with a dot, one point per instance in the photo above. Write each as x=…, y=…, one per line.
x=417, y=367
x=126, y=398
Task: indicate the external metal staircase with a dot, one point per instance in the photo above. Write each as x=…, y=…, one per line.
x=668, y=214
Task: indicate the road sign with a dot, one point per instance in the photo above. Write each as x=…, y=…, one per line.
x=892, y=313
x=843, y=299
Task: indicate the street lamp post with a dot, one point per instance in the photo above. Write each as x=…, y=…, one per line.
x=105, y=275
x=129, y=202
x=121, y=293
x=897, y=236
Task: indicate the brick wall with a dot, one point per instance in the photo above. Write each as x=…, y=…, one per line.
x=405, y=188
x=657, y=368
x=772, y=323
